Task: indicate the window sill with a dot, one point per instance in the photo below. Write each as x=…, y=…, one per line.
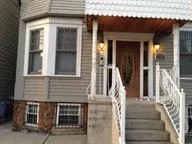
x=65, y=76
x=185, y=78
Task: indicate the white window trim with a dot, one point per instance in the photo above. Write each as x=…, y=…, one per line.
x=57, y=117
x=27, y=107
x=49, y=26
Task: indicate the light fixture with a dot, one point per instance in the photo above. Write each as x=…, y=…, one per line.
x=101, y=45
x=156, y=49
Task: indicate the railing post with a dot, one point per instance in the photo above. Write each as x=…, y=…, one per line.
x=123, y=107
x=182, y=117
x=157, y=82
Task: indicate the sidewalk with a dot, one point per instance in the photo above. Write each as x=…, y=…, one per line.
x=7, y=136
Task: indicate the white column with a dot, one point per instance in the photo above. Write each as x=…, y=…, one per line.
x=94, y=56
x=157, y=83
x=141, y=68
x=176, y=50
x=182, y=117
x=150, y=75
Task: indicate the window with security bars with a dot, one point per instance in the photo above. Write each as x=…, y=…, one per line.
x=66, y=51
x=185, y=53
x=32, y=114
x=190, y=119
x=69, y=115
x=35, y=51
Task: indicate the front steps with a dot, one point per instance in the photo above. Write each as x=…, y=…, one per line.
x=143, y=124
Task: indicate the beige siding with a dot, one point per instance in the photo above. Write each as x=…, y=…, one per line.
x=68, y=7
x=166, y=49
x=35, y=8
x=74, y=89
x=34, y=88
x=40, y=8
x=9, y=21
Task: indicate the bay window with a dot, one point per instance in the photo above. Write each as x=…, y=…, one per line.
x=53, y=47
x=185, y=53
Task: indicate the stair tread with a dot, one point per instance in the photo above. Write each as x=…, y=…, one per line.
x=147, y=131
x=144, y=120
x=148, y=142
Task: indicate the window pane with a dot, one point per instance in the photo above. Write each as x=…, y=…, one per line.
x=35, y=62
x=110, y=52
x=145, y=82
x=185, y=65
x=36, y=42
x=146, y=48
x=66, y=63
x=67, y=39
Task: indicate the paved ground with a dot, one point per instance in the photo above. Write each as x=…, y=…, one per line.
x=7, y=136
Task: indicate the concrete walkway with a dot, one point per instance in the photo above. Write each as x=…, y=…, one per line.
x=7, y=136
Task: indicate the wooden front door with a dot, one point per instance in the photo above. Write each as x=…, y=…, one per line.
x=128, y=62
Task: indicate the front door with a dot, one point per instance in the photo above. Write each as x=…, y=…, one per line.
x=128, y=62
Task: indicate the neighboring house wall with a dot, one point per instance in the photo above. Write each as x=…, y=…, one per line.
x=9, y=22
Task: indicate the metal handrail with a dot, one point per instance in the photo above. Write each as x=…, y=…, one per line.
x=173, y=101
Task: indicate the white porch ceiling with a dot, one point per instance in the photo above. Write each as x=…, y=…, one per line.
x=165, y=9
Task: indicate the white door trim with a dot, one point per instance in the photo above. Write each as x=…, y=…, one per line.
x=131, y=37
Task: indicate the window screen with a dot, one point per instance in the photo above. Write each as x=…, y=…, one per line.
x=35, y=51
x=32, y=111
x=186, y=53
x=66, y=51
x=69, y=115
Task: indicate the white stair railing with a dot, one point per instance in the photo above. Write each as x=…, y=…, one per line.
x=118, y=95
x=173, y=101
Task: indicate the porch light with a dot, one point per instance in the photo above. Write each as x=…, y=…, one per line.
x=101, y=45
x=156, y=49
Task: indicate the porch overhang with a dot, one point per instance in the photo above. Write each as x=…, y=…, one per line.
x=149, y=16
x=135, y=25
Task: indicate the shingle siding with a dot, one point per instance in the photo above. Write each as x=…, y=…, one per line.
x=9, y=22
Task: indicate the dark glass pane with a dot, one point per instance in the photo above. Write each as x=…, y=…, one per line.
x=145, y=82
x=146, y=52
x=67, y=39
x=186, y=65
x=31, y=118
x=110, y=52
x=186, y=42
x=65, y=63
x=36, y=41
x=35, y=63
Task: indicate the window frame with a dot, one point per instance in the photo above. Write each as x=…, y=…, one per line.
x=78, y=49
x=27, y=112
x=183, y=76
x=35, y=51
x=63, y=51
x=80, y=119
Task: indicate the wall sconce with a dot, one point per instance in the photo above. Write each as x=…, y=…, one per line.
x=156, y=49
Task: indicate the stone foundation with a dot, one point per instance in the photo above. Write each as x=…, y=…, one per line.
x=47, y=116
x=19, y=115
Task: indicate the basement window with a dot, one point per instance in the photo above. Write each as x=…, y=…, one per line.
x=69, y=115
x=32, y=114
x=190, y=119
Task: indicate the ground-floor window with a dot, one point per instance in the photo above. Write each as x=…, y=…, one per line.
x=190, y=119
x=32, y=114
x=69, y=115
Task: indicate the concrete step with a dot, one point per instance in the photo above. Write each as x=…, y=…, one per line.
x=142, y=114
x=67, y=131
x=143, y=124
x=147, y=142
x=143, y=106
x=147, y=135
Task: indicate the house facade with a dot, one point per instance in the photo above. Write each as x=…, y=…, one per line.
x=68, y=51
x=9, y=23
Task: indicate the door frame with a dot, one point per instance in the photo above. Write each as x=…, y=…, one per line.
x=131, y=37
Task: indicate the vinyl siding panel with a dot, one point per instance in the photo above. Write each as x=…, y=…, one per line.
x=166, y=49
x=68, y=7
x=74, y=89
x=187, y=86
x=34, y=8
x=34, y=88
x=9, y=22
